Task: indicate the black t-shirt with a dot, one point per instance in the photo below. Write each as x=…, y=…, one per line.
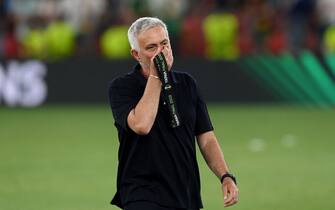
x=160, y=167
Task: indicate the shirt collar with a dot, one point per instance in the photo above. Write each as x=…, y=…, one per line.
x=138, y=75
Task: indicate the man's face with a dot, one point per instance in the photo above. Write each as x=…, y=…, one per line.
x=151, y=42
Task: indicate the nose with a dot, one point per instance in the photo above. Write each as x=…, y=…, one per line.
x=160, y=48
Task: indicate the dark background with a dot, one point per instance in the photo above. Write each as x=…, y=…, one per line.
x=86, y=80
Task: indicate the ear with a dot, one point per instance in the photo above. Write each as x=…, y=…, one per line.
x=135, y=54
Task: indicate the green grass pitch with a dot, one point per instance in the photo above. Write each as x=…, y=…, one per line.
x=65, y=157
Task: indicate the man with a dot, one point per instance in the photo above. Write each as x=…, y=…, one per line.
x=157, y=168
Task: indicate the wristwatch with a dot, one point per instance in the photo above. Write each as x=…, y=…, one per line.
x=228, y=175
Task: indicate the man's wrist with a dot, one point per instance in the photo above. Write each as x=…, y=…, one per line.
x=228, y=175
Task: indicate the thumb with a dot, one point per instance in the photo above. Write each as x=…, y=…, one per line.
x=225, y=192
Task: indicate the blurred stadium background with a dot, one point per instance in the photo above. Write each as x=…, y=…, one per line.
x=266, y=68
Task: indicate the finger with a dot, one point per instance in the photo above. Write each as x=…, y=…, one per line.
x=228, y=196
x=234, y=198
x=165, y=51
x=170, y=60
x=230, y=203
x=225, y=193
x=229, y=199
x=168, y=56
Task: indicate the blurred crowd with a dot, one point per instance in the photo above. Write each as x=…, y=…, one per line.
x=214, y=29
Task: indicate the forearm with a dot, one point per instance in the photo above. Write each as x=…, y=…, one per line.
x=142, y=117
x=213, y=155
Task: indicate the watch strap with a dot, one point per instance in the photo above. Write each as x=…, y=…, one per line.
x=228, y=175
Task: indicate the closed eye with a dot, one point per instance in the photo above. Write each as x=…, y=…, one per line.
x=151, y=47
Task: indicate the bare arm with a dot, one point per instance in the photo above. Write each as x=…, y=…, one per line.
x=214, y=158
x=212, y=153
x=142, y=117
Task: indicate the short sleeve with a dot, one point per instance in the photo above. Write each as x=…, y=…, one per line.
x=123, y=97
x=202, y=122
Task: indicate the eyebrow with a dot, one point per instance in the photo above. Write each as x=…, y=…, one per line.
x=153, y=44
